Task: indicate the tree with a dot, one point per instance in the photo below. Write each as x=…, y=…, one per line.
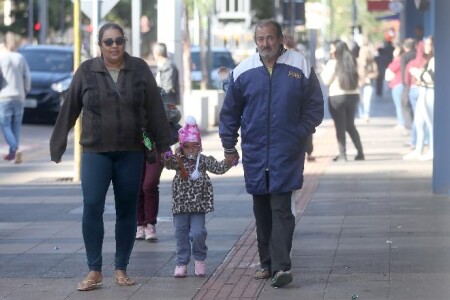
x=263, y=9
x=203, y=9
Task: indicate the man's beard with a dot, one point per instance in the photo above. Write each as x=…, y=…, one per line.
x=268, y=53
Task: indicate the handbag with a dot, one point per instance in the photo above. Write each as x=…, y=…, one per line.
x=150, y=147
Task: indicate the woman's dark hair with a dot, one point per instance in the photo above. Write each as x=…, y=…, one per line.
x=106, y=27
x=431, y=54
x=346, y=69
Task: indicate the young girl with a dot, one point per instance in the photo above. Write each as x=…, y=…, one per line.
x=192, y=196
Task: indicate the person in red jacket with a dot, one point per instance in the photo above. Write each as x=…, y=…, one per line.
x=394, y=77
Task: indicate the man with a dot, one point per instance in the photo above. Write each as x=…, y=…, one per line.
x=167, y=76
x=275, y=99
x=15, y=82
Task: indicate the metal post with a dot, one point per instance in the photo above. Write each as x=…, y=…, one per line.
x=30, y=21
x=76, y=62
x=94, y=23
x=43, y=19
x=354, y=22
x=293, y=15
x=136, y=28
x=441, y=162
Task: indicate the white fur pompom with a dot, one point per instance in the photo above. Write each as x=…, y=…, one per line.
x=190, y=120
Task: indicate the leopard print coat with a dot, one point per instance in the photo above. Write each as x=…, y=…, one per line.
x=194, y=196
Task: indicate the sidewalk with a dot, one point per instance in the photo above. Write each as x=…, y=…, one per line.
x=368, y=229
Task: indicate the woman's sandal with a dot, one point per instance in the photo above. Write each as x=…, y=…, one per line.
x=124, y=281
x=88, y=285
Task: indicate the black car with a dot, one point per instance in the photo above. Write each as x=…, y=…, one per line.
x=51, y=68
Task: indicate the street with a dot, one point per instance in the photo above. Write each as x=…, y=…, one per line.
x=34, y=145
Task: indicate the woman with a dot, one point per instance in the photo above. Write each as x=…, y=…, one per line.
x=341, y=75
x=394, y=77
x=424, y=112
x=368, y=72
x=118, y=96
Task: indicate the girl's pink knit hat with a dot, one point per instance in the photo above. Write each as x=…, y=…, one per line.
x=190, y=132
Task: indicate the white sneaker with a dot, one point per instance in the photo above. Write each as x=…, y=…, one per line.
x=140, y=233
x=411, y=156
x=150, y=233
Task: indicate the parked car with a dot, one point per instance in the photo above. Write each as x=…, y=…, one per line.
x=220, y=57
x=51, y=68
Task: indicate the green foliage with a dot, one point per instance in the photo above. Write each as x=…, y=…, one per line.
x=263, y=9
x=341, y=19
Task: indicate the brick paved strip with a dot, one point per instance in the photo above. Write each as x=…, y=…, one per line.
x=233, y=279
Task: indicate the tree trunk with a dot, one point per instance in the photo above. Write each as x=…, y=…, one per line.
x=203, y=61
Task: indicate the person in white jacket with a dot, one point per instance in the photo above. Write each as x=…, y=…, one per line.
x=15, y=82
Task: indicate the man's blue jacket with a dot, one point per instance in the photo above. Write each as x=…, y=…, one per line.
x=276, y=114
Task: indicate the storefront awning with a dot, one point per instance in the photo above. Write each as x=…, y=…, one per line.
x=377, y=5
x=388, y=17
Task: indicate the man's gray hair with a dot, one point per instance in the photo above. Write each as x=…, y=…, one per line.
x=269, y=22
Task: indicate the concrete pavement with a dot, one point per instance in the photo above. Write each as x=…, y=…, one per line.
x=368, y=229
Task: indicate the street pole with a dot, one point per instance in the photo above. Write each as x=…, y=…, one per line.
x=136, y=27
x=94, y=22
x=292, y=18
x=43, y=19
x=30, y=21
x=354, y=21
x=76, y=62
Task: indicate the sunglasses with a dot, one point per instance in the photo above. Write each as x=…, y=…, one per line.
x=119, y=41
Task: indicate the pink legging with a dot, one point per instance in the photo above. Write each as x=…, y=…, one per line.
x=148, y=205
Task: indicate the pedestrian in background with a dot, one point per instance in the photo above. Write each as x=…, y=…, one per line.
x=192, y=197
x=288, y=42
x=393, y=76
x=424, y=112
x=341, y=75
x=368, y=73
x=275, y=99
x=409, y=48
x=15, y=83
x=148, y=206
x=167, y=73
x=419, y=62
x=118, y=96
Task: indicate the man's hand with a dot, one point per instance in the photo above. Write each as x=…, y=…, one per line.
x=232, y=158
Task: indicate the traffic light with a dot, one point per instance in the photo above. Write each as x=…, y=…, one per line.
x=37, y=26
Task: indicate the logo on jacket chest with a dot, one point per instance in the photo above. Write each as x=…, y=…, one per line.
x=294, y=75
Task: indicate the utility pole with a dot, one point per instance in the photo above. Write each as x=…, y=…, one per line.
x=292, y=21
x=30, y=21
x=136, y=11
x=76, y=62
x=43, y=19
x=355, y=30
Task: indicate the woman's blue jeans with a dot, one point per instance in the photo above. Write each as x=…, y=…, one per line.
x=396, y=93
x=124, y=170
